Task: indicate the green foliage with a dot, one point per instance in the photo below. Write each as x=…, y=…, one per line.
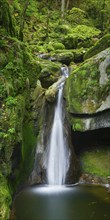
x=5, y=199
x=20, y=68
x=99, y=12
x=12, y=113
x=81, y=36
x=58, y=46
x=28, y=150
x=6, y=20
x=32, y=9
x=63, y=28
x=76, y=16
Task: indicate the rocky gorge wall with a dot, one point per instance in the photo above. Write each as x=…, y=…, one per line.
x=30, y=67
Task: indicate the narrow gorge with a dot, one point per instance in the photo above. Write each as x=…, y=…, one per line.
x=54, y=109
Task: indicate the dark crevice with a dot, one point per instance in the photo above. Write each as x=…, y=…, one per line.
x=90, y=140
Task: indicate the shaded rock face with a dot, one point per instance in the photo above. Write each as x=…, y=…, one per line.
x=73, y=172
x=39, y=172
x=88, y=93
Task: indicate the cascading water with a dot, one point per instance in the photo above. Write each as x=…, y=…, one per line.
x=58, y=157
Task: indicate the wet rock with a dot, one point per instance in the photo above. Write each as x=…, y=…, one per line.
x=86, y=178
x=52, y=90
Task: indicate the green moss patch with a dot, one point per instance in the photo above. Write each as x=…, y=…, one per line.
x=77, y=16
x=96, y=162
x=83, y=91
x=80, y=86
x=77, y=124
x=28, y=148
x=81, y=36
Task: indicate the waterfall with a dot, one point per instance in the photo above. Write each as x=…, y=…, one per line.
x=58, y=159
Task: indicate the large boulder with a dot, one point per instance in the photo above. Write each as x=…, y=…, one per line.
x=65, y=57
x=88, y=93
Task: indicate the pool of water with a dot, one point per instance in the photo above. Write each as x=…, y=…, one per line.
x=78, y=202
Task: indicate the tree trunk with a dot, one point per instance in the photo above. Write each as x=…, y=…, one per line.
x=67, y=4
x=62, y=8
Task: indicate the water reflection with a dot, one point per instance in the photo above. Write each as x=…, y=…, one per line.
x=63, y=203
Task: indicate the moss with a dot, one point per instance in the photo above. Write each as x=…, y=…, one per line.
x=77, y=16
x=5, y=199
x=77, y=124
x=65, y=57
x=21, y=68
x=49, y=73
x=28, y=152
x=81, y=36
x=79, y=54
x=96, y=162
x=83, y=86
x=100, y=45
x=98, y=12
x=52, y=45
x=50, y=94
x=63, y=28
x=38, y=91
x=12, y=115
x=6, y=17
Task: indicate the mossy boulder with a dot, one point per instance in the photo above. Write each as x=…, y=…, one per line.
x=49, y=73
x=64, y=57
x=100, y=45
x=88, y=91
x=79, y=54
x=63, y=29
x=56, y=46
x=50, y=93
x=68, y=56
x=81, y=36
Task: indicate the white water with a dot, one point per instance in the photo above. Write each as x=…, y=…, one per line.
x=58, y=155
